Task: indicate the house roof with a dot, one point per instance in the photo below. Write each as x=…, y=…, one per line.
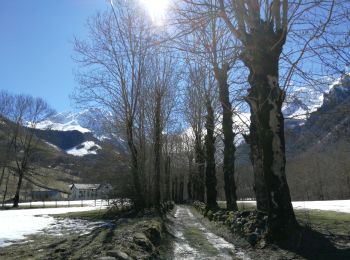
x=85, y=186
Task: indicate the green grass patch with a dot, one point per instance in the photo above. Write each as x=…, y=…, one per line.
x=331, y=221
x=103, y=214
x=241, y=205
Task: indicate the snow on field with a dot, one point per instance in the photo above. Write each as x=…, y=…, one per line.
x=332, y=205
x=67, y=203
x=18, y=223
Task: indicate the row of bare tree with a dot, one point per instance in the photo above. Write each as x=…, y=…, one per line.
x=202, y=57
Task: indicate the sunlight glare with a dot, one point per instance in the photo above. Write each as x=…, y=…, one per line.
x=156, y=9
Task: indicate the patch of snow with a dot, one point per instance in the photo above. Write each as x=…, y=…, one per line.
x=89, y=203
x=330, y=205
x=18, y=223
x=53, y=146
x=85, y=148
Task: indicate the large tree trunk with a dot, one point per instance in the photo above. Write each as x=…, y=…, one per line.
x=167, y=177
x=260, y=189
x=173, y=190
x=265, y=99
x=138, y=198
x=6, y=187
x=190, y=179
x=181, y=191
x=199, y=186
x=2, y=175
x=18, y=189
x=229, y=147
x=210, y=171
x=157, y=151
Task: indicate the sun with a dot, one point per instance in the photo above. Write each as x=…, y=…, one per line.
x=156, y=9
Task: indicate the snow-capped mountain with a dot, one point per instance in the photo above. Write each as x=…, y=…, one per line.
x=79, y=133
x=302, y=101
x=83, y=121
x=67, y=126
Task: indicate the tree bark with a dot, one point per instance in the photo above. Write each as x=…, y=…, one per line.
x=18, y=189
x=157, y=150
x=181, y=192
x=210, y=171
x=265, y=97
x=138, y=199
x=199, y=186
x=167, y=177
x=260, y=189
x=221, y=75
x=190, y=179
x=6, y=187
x=2, y=175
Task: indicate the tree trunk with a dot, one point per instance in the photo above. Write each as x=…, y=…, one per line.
x=181, y=192
x=190, y=179
x=2, y=175
x=5, y=192
x=157, y=151
x=210, y=171
x=260, y=190
x=18, y=189
x=167, y=177
x=176, y=194
x=229, y=146
x=265, y=98
x=138, y=198
x=199, y=186
x=173, y=190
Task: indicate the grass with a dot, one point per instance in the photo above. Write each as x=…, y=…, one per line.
x=241, y=205
x=330, y=221
x=103, y=214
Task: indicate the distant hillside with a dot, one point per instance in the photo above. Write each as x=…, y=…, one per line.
x=64, y=157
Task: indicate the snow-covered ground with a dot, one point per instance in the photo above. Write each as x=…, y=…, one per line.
x=91, y=203
x=88, y=147
x=331, y=205
x=17, y=224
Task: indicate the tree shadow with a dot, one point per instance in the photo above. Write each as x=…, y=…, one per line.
x=312, y=244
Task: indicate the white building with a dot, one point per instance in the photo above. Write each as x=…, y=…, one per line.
x=89, y=191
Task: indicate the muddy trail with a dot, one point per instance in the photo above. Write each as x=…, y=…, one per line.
x=192, y=240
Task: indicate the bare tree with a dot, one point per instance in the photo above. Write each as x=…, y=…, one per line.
x=194, y=113
x=26, y=111
x=112, y=72
x=6, y=106
x=209, y=41
x=160, y=93
x=262, y=28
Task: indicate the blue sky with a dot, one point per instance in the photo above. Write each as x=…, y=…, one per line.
x=36, y=46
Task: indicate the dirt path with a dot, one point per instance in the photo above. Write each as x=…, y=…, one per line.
x=194, y=241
